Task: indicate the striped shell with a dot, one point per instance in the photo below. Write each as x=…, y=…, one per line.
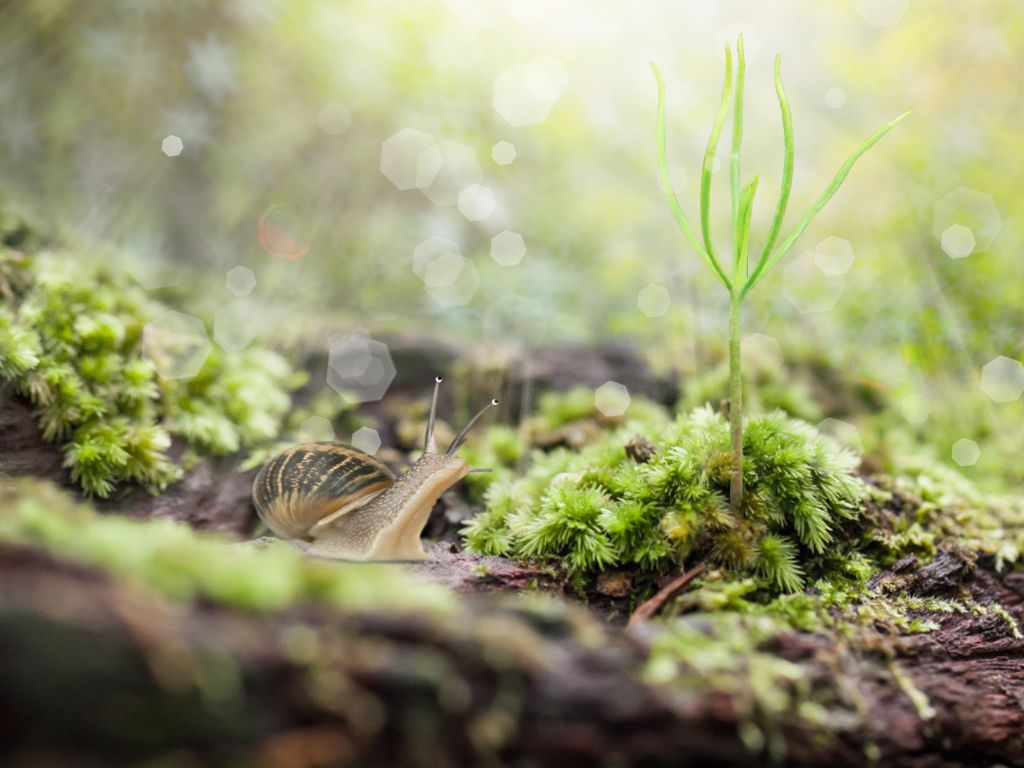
x=316, y=483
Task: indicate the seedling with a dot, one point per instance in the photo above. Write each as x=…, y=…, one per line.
x=741, y=280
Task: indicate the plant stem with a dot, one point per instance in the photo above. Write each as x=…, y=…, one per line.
x=736, y=400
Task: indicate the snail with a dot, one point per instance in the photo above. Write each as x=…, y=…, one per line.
x=352, y=506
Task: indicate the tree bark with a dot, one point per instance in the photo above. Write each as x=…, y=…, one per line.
x=97, y=672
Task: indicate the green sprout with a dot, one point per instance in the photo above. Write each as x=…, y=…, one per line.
x=742, y=279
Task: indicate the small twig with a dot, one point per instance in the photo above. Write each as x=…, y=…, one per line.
x=648, y=608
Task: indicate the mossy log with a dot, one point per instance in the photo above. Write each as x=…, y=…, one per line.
x=98, y=672
x=95, y=670
x=212, y=496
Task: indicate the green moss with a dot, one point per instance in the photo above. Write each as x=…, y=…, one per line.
x=600, y=509
x=502, y=447
x=183, y=564
x=927, y=504
x=71, y=344
x=731, y=654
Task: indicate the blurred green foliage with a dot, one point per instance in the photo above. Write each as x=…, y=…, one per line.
x=90, y=90
x=103, y=375
x=182, y=564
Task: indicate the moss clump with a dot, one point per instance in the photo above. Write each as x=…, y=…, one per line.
x=733, y=654
x=72, y=345
x=927, y=505
x=567, y=419
x=183, y=564
x=600, y=509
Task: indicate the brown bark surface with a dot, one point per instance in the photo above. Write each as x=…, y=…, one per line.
x=95, y=672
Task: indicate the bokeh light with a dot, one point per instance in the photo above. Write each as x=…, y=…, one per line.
x=503, y=153
x=172, y=145
x=966, y=452
x=653, y=300
x=278, y=236
x=508, y=248
x=177, y=344
x=359, y=368
x=611, y=399
x=367, y=440
x=410, y=159
x=240, y=281
x=525, y=93
x=1002, y=379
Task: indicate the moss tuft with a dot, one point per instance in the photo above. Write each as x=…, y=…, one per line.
x=600, y=509
x=71, y=344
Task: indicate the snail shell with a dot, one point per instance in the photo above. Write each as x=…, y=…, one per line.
x=349, y=504
x=311, y=485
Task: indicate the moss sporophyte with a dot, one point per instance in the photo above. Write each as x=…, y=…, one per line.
x=741, y=279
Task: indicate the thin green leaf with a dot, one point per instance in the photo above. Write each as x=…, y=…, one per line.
x=670, y=194
x=709, y=155
x=746, y=208
x=787, y=169
x=820, y=203
x=737, y=137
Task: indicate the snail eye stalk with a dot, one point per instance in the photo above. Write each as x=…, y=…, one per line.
x=429, y=439
x=461, y=437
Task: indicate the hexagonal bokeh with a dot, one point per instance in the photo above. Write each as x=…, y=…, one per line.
x=444, y=270
x=236, y=325
x=459, y=169
x=835, y=98
x=958, y=241
x=915, y=409
x=460, y=290
x=761, y=353
x=367, y=440
x=653, y=300
x=240, y=281
x=882, y=13
x=966, y=452
x=176, y=344
x=611, y=399
x=278, y=235
x=843, y=432
x=833, y=256
x=503, y=153
x=972, y=210
x=432, y=248
x=410, y=159
x=315, y=429
x=807, y=288
x=172, y=145
x=1002, y=379
x=516, y=317
x=334, y=118
x=508, y=248
x=525, y=93
x=359, y=368
x=476, y=202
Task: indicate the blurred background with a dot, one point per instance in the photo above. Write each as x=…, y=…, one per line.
x=483, y=175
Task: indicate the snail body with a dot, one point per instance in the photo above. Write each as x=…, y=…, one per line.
x=350, y=505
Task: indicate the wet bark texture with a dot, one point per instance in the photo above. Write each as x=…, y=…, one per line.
x=95, y=672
